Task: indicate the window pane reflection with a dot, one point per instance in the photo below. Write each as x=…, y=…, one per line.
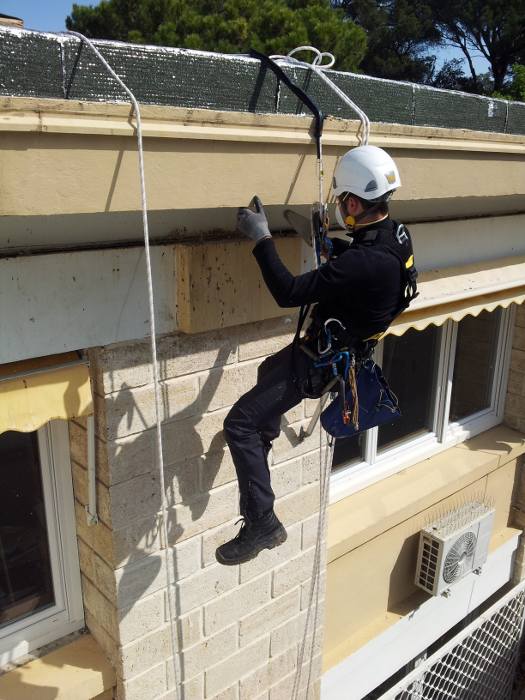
x=348, y=450
x=474, y=364
x=409, y=365
x=25, y=570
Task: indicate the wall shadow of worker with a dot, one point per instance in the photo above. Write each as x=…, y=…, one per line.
x=182, y=487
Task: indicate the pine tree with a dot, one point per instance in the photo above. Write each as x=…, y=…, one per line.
x=230, y=26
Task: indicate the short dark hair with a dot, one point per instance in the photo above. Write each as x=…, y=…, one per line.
x=380, y=207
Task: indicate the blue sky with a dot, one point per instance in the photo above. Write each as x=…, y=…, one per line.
x=50, y=16
x=46, y=15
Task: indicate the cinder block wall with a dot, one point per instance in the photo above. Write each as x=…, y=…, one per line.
x=515, y=418
x=239, y=628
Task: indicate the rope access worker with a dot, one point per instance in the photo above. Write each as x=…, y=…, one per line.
x=357, y=293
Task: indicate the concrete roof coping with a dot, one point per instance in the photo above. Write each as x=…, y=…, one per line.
x=42, y=64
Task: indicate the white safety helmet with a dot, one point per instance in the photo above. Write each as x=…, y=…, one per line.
x=368, y=172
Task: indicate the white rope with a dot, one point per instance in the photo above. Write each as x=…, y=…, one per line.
x=318, y=67
x=315, y=587
x=153, y=338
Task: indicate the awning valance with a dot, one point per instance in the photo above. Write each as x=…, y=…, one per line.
x=455, y=292
x=34, y=392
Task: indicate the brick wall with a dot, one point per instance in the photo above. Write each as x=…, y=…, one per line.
x=515, y=418
x=238, y=628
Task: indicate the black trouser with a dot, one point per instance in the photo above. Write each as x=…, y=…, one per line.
x=283, y=381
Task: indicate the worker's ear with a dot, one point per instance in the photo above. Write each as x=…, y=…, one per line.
x=355, y=207
x=351, y=204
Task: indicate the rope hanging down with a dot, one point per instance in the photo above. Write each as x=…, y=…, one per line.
x=320, y=225
x=318, y=67
x=153, y=339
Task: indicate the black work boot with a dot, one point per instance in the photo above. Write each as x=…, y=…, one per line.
x=265, y=532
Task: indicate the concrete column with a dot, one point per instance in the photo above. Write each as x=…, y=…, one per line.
x=238, y=628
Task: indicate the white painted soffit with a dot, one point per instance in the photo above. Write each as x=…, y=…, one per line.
x=455, y=292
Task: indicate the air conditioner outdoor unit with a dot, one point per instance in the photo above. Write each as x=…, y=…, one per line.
x=453, y=546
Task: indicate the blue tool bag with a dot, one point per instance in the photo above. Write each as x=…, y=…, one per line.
x=376, y=404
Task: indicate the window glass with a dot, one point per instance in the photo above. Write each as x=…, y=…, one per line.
x=348, y=450
x=25, y=570
x=409, y=365
x=474, y=364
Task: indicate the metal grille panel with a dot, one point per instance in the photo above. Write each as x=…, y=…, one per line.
x=429, y=559
x=477, y=664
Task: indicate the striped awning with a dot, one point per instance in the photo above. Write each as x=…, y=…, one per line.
x=455, y=292
x=36, y=391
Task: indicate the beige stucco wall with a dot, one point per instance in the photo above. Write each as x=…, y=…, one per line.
x=201, y=166
x=373, y=534
x=384, y=565
x=182, y=175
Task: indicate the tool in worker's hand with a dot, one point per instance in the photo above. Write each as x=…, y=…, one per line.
x=300, y=224
x=256, y=205
x=314, y=229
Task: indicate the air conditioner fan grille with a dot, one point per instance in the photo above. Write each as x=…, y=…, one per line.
x=458, y=558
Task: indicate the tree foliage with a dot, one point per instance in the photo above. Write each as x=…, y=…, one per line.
x=451, y=76
x=493, y=28
x=400, y=34
x=387, y=38
x=515, y=90
x=230, y=26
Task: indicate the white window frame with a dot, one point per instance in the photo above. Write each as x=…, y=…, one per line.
x=353, y=477
x=23, y=636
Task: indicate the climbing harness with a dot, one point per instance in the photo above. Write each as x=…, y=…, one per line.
x=153, y=339
x=342, y=367
x=370, y=401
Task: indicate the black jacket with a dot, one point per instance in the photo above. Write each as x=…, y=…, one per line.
x=361, y=285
